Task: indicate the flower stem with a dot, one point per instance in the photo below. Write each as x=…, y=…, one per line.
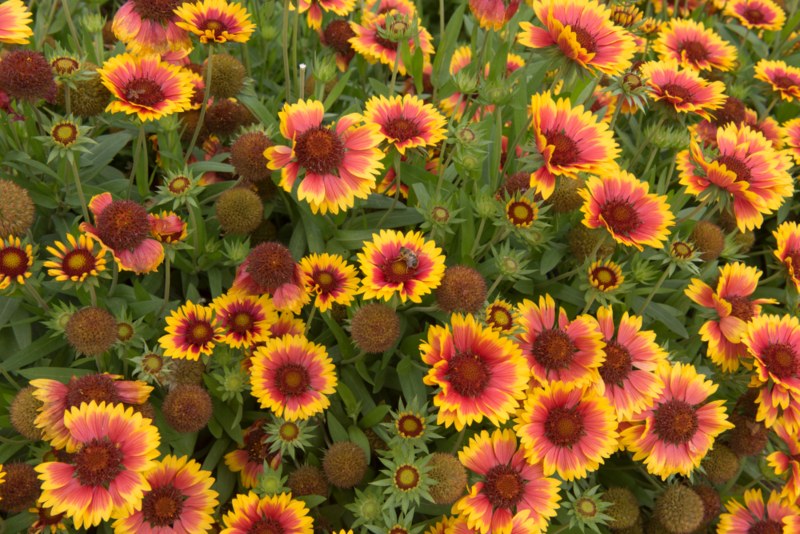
x=311, y=318
x=33, y=292
x=204, y=105
x=167, y=279
x=653, y=292
x=285, y=47
x=397, y=183
x=494, y=285
x=72, y=30
x=79, y=187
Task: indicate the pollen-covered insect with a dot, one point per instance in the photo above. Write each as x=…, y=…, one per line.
x=408, y=256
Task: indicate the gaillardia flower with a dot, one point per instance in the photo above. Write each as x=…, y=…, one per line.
x=270, y=269
x=245, y=319
x=406, y=122
x=788, y=250
x=629, y=379
x=148, y=27
x=621, y=204
x=493, y=14
x=682, y=90
x=734, y=307
x=191, y=330
x=180, y=499
x=167, y=227
x=15, y=22
x=756, y=14
x=605, y=276
x=250, y=459
x=569, y=430
x=791, y=137
x=103, y=477
x=480, y=373
x=273, y=513
x=747, y=173
x=694, y=46
x=75, y=261
x=332, y=279
x=404, y=264
x=570, y=140
x=339, y=163
x=784, y=79
x=146, y=86
x=674, y=435
x=215, y=21
x=777, y=515
x=500, y=316
x=583, y=31
x=58, y=398
x=292, y=377
x=16, y=260
x=556, y=348
x=774, y=343
x=314, y=8
x=787, y=463
x=509, y=486
x=370, y=43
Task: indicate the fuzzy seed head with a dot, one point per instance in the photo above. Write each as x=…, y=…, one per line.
x=345, y=464
x=375, y=328
x=187, y=408
x=239, y=210
x=91, y=331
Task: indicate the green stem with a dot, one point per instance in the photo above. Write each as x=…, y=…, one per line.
x=72, y=30
x=295, y=31
x=589, y=303
x=285, y=46
x=114, y=278
x=653, y=292
x=494, y=285
x=167, y=279
x=397, y=185
x=395, y=68
x=67, y=99
x=694, y=212
x=310, y=318
x=203, y=106
x=33, y=292
x=92, y=295
x=477, y=238
x=79, y=187
x=460, y=440
x=615, y=115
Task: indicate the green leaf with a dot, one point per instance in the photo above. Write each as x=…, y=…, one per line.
x=336, y=429
x=374, y=416
x=550, y=258
x=103, y=153
x=62, y=374
x=351, y=405
x=410, y=377
x=215, y=453
x=38, y=349
x=337, y=90
x=358, y=437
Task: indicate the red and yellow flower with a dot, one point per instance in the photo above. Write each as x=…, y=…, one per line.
x=215, y=21
x=674, y=435
x=146, y=86
x=682, y=90
x=258, y=275
x=499, y=315
x=287, y=325
x=191, y=330
x=124, y=228
x=787, y=463
x=570, y=140
x=694, y=46
x=569, y=430
x=167, y=227
x=104, y=476
x=777, y=515
x=629, y=379
x=784, y=79
x=250, y=459
x=332, y=279
x=605, y=275
x=788, y=250
x=583, y=31
x=403, y=264
x=790, y=134
x=757, y=14
x=16, y=261
x=369, y=43
x=556, y=348
x=734, y=307
x=521, y=212
x=339, y=163
x=77, y=260
x=406, y=122
x=747, y=173
x=58, y=398
x=509, y=486
x=493, y=14
x=293, y=377
x=149, y=27
x=15, y=22
x=479, y=372
x=245, y=319
x=180, y=499
x=774, y=343
x=314, y=8
x=276, y=513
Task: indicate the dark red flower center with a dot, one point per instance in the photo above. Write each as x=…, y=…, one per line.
x=214, y=25
x=398, y=530
x=781, y=360
x=271, y=265
x=792, y=257
x=766, y=526
x=162, y=506
x=401, y=128
x=64, y=65
x=736, y=166
x=520, y=213
x=240, y=322
x=337, y=35
x=292, y=380
x=123, y=225
x=499, y=317
x=267, y=525
x=617, y=365
x=682, y=250
x=621, y=216
x=504, y=486
x=399, y=270
x=753, y=15
x=98, y=463
x=564, y=426
x=406, y=477
x=178, y=185
x=98, y=388
x=468, y=374
x=78, y=262
x=732, y=111
x=604, y=278
x=553, y=349
x=325, y=281
x=742, y=307
x=256, y=446
x=784, y=82
x=319, y=150
x=676, y=92
x=64, y=134
x=584, y=39
x=565, y=150
x=675, y=422
x=410, y=426
x=125, y=331
x=198, y=332
x=13, y=262
x=695, y=51
x=158, y=10
x=143, y=92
